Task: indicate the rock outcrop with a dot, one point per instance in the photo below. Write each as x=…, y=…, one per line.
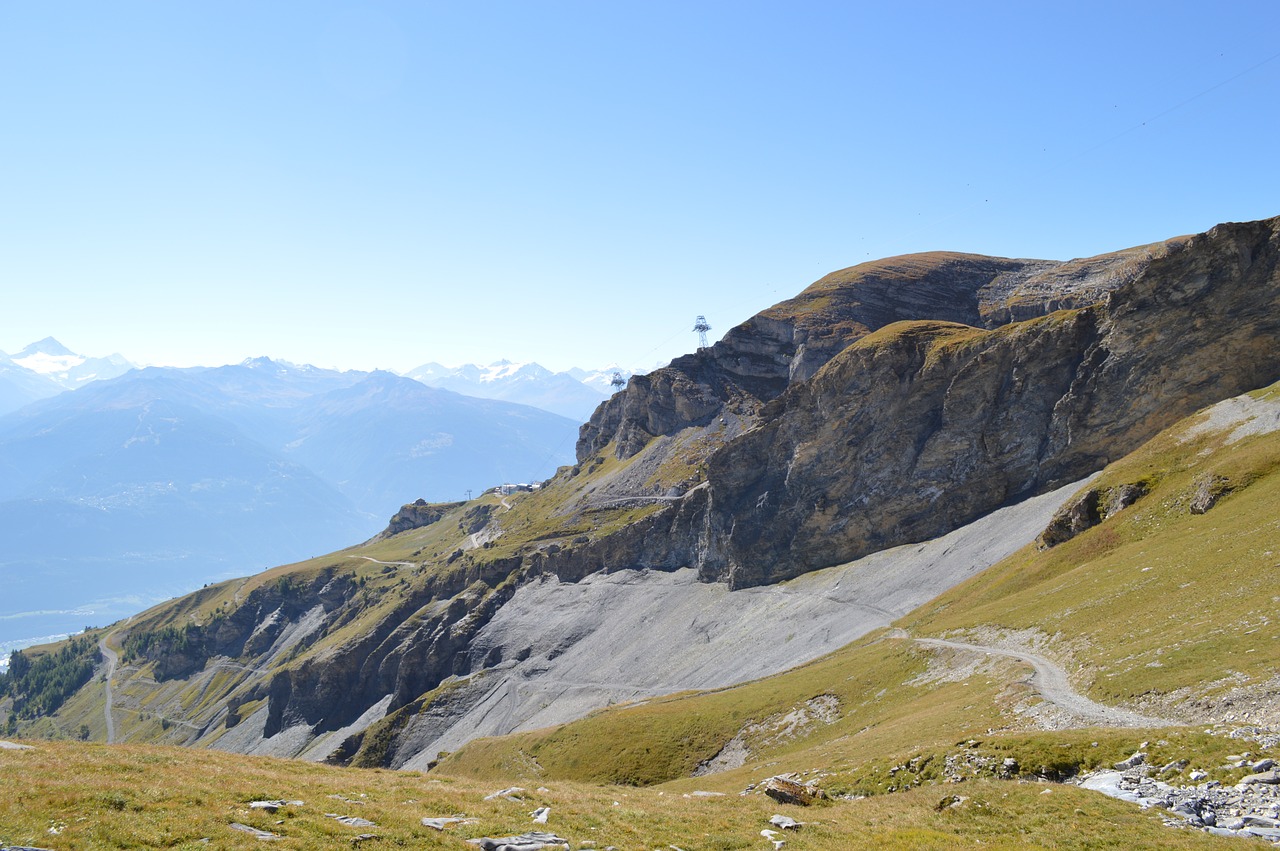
x=788, y=343
x=415, y=515
x=922, y=426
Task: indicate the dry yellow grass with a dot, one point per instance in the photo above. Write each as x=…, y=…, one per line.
x=78, y=796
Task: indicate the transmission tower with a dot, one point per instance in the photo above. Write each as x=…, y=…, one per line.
x=702, y=328
x=617, y=382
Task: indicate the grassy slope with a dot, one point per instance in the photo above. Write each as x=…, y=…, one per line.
x=561, y=514
x=1153, y=584
x=96, y=796
x=1156, y=599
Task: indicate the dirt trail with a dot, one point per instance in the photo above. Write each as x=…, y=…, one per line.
x=389, y=563
x=113, y=659
x=1050, y=680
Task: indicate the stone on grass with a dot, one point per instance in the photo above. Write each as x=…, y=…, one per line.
x=350, y=821
x=786, y=789
x=534, y=841
x=445, y=821
x=265, y=836
x=512, y=794
x=269, y=806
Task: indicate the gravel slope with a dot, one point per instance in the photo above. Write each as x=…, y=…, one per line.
x=559, y=650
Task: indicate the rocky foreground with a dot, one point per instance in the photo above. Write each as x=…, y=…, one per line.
x=1249, y=808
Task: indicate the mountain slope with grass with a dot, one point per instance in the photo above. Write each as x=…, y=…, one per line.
x=804, y=461
x=914, y=746
x=1163, y=605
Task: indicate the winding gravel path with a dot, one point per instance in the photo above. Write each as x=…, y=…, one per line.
x=1050, y=680
x=113, y=659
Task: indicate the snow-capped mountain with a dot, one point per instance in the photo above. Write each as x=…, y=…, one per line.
x=20, y=386
x=602, y=379
x=561, y=393
x=65, y=368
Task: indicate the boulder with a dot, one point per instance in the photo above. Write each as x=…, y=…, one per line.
x=534, y=841
x=1271, y=777
x=785, y=789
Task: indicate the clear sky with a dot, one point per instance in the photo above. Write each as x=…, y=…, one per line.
x=382, y=184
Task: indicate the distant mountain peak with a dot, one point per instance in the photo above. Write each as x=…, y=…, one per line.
x=527, y=383
x=54, y=361
x=47, y=346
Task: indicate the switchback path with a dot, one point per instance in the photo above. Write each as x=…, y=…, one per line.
x=113, y=659
x=1050, y=680
x=391, y=563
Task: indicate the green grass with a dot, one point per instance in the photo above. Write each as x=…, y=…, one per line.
x=1155, y=599
x=1152, y=601
x=100, y=797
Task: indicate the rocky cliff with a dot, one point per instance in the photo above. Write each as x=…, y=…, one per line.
x=789, y=342
x=889, y=403
x=922, y=426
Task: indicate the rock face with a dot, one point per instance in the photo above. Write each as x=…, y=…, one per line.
x=759, y=359
x=1088, y=510
x=415, y=515
x=922, y=426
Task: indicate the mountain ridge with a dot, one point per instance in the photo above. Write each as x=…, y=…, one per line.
x=721, y=462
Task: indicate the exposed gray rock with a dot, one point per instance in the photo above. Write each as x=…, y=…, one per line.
x=442, y=822
x=1137, y=759
x=920, y=426
x=1271, y=777
x=534, y=841
x=558, y=650
x=1088, y=510
x=273, y=806
x=787, y=789
x=1207, y=490
x=350, y=821
x=1244, y=810
x=415, y=515
x=263, y=835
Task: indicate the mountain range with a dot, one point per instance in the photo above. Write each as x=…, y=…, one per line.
x=853, y=523
x=46, y=368
x=574, y=394
x=135, y=488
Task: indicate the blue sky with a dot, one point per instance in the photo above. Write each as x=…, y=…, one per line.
x=385, y=184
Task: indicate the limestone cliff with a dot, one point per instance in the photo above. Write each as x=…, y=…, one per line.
x=789, y=342
x=923, y=426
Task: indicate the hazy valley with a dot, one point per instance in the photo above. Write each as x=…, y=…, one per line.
x=141, y=485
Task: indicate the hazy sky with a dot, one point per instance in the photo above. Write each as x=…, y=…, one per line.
x=368, y=185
